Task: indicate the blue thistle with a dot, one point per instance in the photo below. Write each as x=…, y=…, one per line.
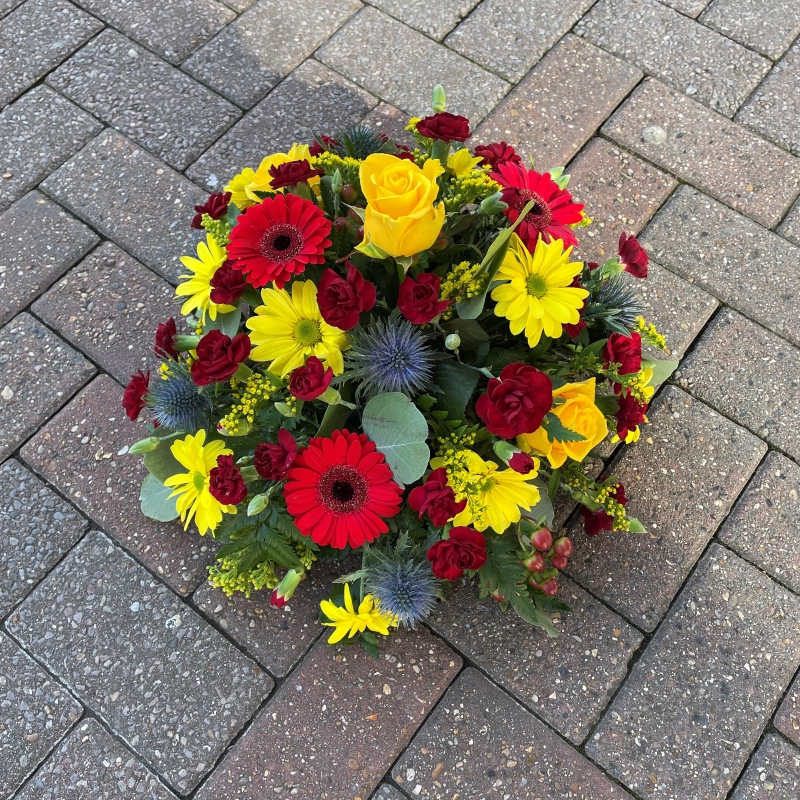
x=177, y=403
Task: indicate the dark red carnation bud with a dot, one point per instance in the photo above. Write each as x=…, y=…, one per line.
x=165, y=339
x=135, y=392
x=272, y=461
x=630, y=415
x=216, y=207
x=497, y=153
x=227, y=284
x=341, y=301
x=593, y=265
x=465, y=549
x=225, y=482
x=404, y=153
x=542, y=539
x=349, y=193
x=534, y=562
x=522, y=463
x=559, y=562
x=445, y=126
x=419, y=301
x=311, y=380
x=315, y=148
x=218, y=357
x=436, y=499
x=563, y=547
x=291, y=173
x=633, y=256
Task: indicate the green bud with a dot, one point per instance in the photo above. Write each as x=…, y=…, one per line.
x=285, y=589
x=438, y=99
x=611, y=268
x=452, y=342
x=493, y=204
x=504, y=450
x=145, y=445
x=336, y=182
x=284, y=410
x=257, y=505
x=249, y=474
x=331, y=396
x=184, y=343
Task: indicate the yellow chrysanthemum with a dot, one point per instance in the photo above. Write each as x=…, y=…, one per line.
x=262, y=180
x=197, y=286
x=537, y=297
x=194, y=499
x=288, y=329
x=237, y=186
x=349, y=622
x=462, y=162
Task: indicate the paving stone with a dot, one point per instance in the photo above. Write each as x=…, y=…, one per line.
x=243, y=62
x=337, y=725
x=36, y=528
x=480, y=743
x=35, y=712
x=131, y=197
x=312, y=100
x=38, y=132
x=38, y=373
x=83, y=452
x=9, y=5
x=695, y=704
x=620, y=192
x=721, y=158
x=682, y=478
x=387, y=792
x=681, y=52
x=91, y=765
x=691, y=8
x=773, y=108
x=28, y=50
x=510, y=36
x=239, y=5
x=156, y=105
x=730, y=256
x=109, y=306
x=391, y=121
x=787, y=720
x=172, y=687
x=566, y=97
x=402, y=66
x=172, y=28
x=29, y=264
x=569, y=680
x=790, y=228
x=773, y=774
x=434, y=19
x=751, y=375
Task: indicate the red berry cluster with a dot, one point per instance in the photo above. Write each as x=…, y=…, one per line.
x=556, y=553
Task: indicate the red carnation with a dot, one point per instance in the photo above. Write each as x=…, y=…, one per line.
x=497, y=153
x=340, y=491
x=625, y=351
x=419, y=299
x=465, y=549
x=291, y=173
x=272, y=461
x=630, y=414
x=227, y=285
x=315, y=148
x=553, y=211
x=225, y=482
x=633, y=256
x=445, y=126
x=275, y=239
x=522, y=463
x=596, y=521
x=216, y=207
x=218, y=357
x=436, y=499
x=311, y=380
x=516, y=402
x=342, y=300
x=135, y=393
x=165, y=339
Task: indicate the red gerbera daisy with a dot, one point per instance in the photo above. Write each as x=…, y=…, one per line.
x=554, y=210
x=340, y=491
x=274, y=240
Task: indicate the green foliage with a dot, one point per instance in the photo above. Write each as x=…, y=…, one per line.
x=662, y=369
x=544, y=508
x=457, y=382
x=161, y=464
x=557, y=432
x=156, y=502
x=227, y=323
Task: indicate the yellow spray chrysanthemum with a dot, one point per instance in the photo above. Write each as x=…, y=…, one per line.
x=287, y=329
x=262, y=180
x=349, y=622
x=537, y=296
x=237, y=187
x=194, y=498
x=462, y=162
x=197, y=286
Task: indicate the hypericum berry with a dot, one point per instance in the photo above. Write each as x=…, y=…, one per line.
x=550, y=586
x=497, y=596
x=534, y=562
x=559, y=562
x=542, y=540
x=340, y=223
x=563, y=547
x=349, y=193
x=360, y=233
x=440, y=244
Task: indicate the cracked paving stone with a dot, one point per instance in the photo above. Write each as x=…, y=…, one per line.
x=434, y=19
x=787, y=720
x=773, y=774
x=390, y=121
x=387, y=792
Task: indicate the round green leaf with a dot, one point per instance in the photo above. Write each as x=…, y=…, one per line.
x=156, y=501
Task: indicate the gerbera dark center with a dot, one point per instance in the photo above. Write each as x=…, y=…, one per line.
x=540, y=215
x=343, y=489
x=281, y=242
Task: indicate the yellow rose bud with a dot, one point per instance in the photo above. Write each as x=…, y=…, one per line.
x=401, y=217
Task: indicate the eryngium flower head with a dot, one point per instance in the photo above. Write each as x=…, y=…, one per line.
x=616, y=304
x=406, y=589
x=360, y=141
x=177, y=403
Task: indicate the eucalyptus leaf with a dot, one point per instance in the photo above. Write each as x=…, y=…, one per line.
x=226, y=323
x=334, y=420
x=156, y=502
x=544, y=508
x=607, y=403
x=458, y=383
x=636, y=526
x=161, y=464
x=662, y=369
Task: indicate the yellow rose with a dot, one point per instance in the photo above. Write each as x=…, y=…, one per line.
x=262, y=180
x=401, y=217
x=578, y=413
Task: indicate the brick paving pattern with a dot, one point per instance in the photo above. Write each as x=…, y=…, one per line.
x=124, y=673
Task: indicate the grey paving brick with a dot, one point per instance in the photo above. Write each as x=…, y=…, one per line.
x=387, y=792
x=131, y=197
x=787, y=720
x=337, y=725
x=312, y=100
x=434, y=19
x=83, y=452
x=682, y=478
x=480, y=743
x=36, y=528
x=561, y=103
x=390, y=121
x=751, y=375
x=703, y=148
x=790, y=227
x=773, y=774
x=38, y=373
x=239, y=5
x=109, y=306
x=91, y=765
x=28, y=47
x=36, y=712
x=29, y=264
x=172, y=687
x=569, y=680
x=693, y=709
x=145, y=98
x=510, y=36
x=38, y=132
x=691, y=8
x=9, y=5
x=402, y=66
x=242, y=61
x=172, y=28
x=684, y=54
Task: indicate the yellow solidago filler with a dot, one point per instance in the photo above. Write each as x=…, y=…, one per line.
x=476, y=185
x=257, y=389
x=194, y=499
x=463, y=281
x=349, y=622
x=287, y=329
x=462, y=162
x=613, y=507
x=537, y=297
x=197, y=286
x=330, y=162
x=411, y=125
x=237, y=186
x=650, y=334
x=578, y=413
x=262, y=180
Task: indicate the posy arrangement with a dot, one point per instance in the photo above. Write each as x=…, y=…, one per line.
x=393, y=351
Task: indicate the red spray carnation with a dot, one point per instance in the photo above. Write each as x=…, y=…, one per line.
x=630, y=414
x=633, y=256
x=445, y=126
x=625, y=351
x=225, y=482
x=311, y=380
x=404, y=152
x=135, y=392
x=216, y=207
x=574, y=330
x=516, y=402
x=595, y=522
x=291, y=173
x=436, y=499
x=227, y=285
x=342, y=300
x=315, y=148
x=465, y=549
x=419, y=299
x=522, y=463
x=165, y=339
x=272, y=461
x=497, y=153
x=219, y=356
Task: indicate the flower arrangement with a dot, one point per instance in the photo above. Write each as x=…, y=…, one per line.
x=394, y=351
